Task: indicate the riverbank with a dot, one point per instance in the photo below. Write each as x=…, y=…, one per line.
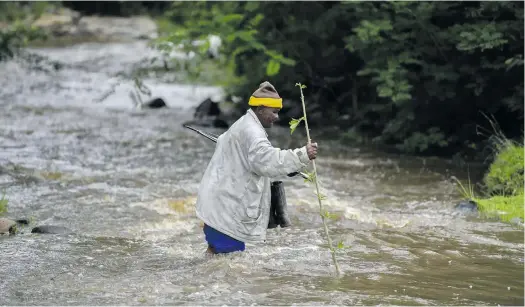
x=502, y=187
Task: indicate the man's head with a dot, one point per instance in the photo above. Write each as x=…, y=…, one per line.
x=266, y=115
x=266, y=104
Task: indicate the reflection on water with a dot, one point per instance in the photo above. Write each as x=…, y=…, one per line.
x=125, y=182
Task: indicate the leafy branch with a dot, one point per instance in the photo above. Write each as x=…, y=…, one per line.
x=312, y=178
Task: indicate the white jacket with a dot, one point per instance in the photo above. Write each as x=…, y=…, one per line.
x=234, y=194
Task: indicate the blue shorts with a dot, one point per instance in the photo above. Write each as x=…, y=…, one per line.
x=222, y=243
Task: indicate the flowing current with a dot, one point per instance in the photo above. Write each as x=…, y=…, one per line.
x=124, y=180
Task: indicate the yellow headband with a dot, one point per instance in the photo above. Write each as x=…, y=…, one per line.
x=267, y=102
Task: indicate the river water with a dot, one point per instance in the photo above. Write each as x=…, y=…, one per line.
x=125, y=180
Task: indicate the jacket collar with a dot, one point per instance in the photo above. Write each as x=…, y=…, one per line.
x=254, y=116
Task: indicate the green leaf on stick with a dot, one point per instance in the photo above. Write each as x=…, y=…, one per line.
x=294, y=123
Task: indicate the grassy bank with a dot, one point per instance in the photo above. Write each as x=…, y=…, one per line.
x=505, y=208
x=502, y=188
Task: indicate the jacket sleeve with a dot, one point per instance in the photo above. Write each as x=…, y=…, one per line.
x=268, y=161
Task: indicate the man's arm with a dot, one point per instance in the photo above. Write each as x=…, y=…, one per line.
x=266, y=160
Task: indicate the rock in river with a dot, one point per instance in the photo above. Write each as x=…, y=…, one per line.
x=7, y=226
x=51, y=229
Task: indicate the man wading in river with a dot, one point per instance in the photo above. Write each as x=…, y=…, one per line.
x=234, y=195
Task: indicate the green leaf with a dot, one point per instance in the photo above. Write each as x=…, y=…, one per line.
x=247, y=36
x=279, y=57
x=251, y=6
x=329, y=215
x=320, y=196
x=240, y=50
x=310, y=177
x=231, y=37
x=231, y=17
x=287, y=61
x=340, y=245
x=273, y=68
x=367, y=71
x=256, y=20
x=294, y=123
x=300, y=85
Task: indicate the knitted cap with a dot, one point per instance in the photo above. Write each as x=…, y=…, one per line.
x=266, y=95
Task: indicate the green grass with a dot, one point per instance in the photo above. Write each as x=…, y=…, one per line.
x=3, y=205
x=503, y=184
x=504, y=207
x=505, y=175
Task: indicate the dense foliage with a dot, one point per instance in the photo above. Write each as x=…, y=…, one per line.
x=419, y=75
x=16, y=28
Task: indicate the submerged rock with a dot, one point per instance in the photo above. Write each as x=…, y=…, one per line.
x=51, y=229
x=23, y=221
x=213, y=123
x=7, y=226
x=516, y=221
x=207, y=108
x=156, y=103
x=210, y=113
x=467, y=206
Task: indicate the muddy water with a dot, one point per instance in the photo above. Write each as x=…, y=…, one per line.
x=124, y=180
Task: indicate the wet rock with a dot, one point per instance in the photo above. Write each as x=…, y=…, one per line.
x=207, y=108
x=467, y=206
x=7, y=226
x=50, y=229
x=220, y=123
x=23, y=221
x=516, y=221
x=210, y=114
x=156, y=103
